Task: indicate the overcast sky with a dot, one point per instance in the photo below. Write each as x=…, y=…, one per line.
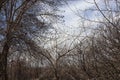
x=72, y=24
x=71, y=28
x=73, y=8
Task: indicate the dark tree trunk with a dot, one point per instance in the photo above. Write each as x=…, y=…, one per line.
x=3, y=62
x=56, y=74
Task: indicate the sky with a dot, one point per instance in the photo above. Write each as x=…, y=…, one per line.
x=72, y=10
x=72, y=25
x=70, y=30
x=75, y=28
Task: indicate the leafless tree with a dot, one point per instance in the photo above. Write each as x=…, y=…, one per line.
x=20, y=24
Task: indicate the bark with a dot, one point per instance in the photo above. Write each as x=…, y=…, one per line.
x=2, y=2
x=3, y=62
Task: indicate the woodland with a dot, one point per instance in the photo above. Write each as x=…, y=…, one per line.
x=32, y=48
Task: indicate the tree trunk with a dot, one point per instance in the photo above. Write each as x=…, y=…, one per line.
x=56, y=73
x=3, y=62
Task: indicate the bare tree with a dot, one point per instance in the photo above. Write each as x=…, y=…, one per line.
x=20, y=25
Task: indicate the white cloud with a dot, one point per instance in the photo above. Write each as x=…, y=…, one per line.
x=71, y=10
x=72, y=21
